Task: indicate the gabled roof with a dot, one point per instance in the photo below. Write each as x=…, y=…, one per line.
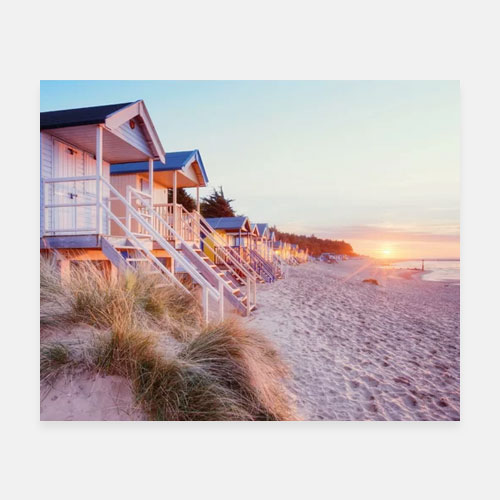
x=68, y=123
x=263, y=227
x=229, y=223
x=79, y=116
x=255, y=229
x=178, y=160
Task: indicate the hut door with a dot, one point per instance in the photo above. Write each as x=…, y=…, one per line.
x=68, y=162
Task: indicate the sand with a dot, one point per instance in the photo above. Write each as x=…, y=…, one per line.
x=89, y=396
x=80, y=394
x=360, y=351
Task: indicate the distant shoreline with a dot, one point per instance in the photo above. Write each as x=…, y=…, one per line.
x=417, y=259
x=438, y=270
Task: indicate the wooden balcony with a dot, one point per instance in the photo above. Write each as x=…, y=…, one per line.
x=179, y=219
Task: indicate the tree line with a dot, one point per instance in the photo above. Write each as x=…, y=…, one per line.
x=315, y=245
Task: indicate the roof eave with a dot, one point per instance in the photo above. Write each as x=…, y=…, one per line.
x=75, y=124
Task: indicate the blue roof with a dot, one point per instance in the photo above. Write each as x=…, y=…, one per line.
x=227, y=223
x=177, y=160
x=263, y=227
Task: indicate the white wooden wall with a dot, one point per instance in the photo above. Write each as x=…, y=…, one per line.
x=45, y=172
x=56, y=162
x=134, y=136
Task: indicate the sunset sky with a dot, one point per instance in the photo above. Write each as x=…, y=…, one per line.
x=376, y=163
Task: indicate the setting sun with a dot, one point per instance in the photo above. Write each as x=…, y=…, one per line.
x=385, y=251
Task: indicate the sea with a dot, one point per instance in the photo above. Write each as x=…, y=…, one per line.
x=439, y=270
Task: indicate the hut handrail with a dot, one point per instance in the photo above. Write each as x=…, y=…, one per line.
x=132, y=213
x=219, y=247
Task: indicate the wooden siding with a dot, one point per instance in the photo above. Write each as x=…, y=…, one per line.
x=137, y=181
x=120, y=183
x=88, y=217
x=160, y=192
x=58, y=159
x=134, y=136
x=45, y=172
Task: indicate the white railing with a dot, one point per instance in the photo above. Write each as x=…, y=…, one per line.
x=142, y=219
x=176, y=217
x=172, y=234
x=222, y=253
x=50, y=214
x=134, y=214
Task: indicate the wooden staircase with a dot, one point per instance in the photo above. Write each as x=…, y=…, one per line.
x=236, y=273
x=234, y=292
x=261, y=266
x=136, y=249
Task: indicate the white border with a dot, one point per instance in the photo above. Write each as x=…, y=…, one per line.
x=217, y=40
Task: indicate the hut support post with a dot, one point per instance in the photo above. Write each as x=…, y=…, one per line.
x=174, y=200
x=98, y=187
x=151, y=179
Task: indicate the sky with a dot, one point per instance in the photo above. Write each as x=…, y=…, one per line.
x=375, y=163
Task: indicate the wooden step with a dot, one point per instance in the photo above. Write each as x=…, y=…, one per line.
x=127, y=247
x=142, y=235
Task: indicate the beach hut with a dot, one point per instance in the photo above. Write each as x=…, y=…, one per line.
x=181, y=169
x=84, y=215
x=185, y=230
x=77, y=148
x=235, y=232
x=263, y=241
x=254, y=236
x=238, y=234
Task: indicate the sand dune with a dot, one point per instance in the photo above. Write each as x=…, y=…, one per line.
x=359, y=351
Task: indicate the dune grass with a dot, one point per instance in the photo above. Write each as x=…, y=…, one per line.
x=151, y=333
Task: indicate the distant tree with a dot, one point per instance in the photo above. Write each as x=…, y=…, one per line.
x=315, y=245
x=216, y=205
x=183, y=198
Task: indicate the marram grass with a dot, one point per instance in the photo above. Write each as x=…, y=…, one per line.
x=152, y=334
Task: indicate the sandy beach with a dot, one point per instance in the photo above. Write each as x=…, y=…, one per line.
x=359, y=351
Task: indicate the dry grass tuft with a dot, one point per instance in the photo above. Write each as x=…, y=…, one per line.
x=129, y=302
x=221, y=372
x=176, y=389
x=245, y=362
x=53, y=357
x=167, y=306
x=59, y=355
